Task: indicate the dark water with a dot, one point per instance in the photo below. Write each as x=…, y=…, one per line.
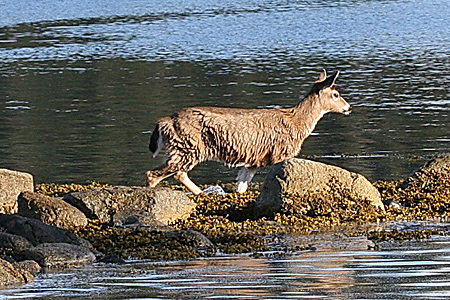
x=403, y=270
x=82, y=83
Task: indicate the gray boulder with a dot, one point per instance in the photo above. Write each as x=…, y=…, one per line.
x=50, y=210
x=123, y=205
x=9, y=275
x=37, y=232
x=59, y=255
x=12, y=183
x=304, y=177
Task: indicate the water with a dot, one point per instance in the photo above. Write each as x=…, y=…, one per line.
x=401, y=270
x=82, y=83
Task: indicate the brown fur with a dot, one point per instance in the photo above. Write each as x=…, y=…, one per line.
x=241, y=137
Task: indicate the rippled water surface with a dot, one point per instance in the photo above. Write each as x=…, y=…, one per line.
x=401, y=270
x=82, y=83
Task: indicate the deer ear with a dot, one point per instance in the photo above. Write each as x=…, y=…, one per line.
x=322, y=76
x=330, y=81
x=334, y=77
x=325, y=83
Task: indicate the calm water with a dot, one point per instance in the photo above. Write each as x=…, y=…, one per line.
x=82, y=83
x=402, y=270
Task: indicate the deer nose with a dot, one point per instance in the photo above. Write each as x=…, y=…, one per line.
x=347, y=110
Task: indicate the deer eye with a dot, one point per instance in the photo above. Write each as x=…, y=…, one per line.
x=335, y=95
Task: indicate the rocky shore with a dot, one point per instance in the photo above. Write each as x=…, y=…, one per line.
x=56, y=226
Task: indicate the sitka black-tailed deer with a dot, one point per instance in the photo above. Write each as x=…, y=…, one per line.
x=246, y=138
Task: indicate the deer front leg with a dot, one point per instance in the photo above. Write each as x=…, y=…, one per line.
x=183, y=178
x=244, y=177
x=153, y=177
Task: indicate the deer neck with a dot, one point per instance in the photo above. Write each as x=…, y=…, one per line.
x=308, y=113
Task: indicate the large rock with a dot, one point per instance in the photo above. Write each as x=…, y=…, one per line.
x=122, y=205
x=50, y=210
x=37, y=232
x=9, y=275
x=302, y=177
x=12, y=183
x=59, y=255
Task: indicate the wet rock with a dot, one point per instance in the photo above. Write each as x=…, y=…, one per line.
x=59, y=255
x=122, y=205
x=11, y=243
x=50, y=210
x=37, y=232
x=29, y=266
x=334, y=239
x=9, y=275
x=12, y=183
x=304, y=177
x=433, y=170
x=112, y=259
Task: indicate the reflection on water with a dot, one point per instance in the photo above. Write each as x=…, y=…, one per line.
x=81, y=86
x=401, y=270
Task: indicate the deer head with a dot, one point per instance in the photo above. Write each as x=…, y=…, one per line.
x=328, y=95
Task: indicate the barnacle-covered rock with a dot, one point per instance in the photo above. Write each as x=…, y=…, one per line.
x=50, y=210
x=9, y=275
x=58, y=255
x=37, y=232
x=302, y=177
x=123, y=205
x=12, y=183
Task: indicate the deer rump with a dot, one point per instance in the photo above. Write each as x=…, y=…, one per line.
x=237, y=137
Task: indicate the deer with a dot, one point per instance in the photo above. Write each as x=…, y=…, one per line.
x=245, y=138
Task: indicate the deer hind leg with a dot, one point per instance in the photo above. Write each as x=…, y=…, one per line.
x=153, y=177
x=177, y=168
x=244, y=177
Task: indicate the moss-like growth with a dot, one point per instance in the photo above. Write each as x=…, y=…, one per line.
x=227, y=221
x=58, y=190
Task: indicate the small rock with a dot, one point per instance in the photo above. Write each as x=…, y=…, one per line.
x=122, y=205
x=214, y=190
x=59, y=255
x=11, y=243
x=9, y=275
x=12, y=183
x=392, y=203
x=112, y=259
x=50, y=210
x=303, y=177
x=28, y=265
x=37, y=232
